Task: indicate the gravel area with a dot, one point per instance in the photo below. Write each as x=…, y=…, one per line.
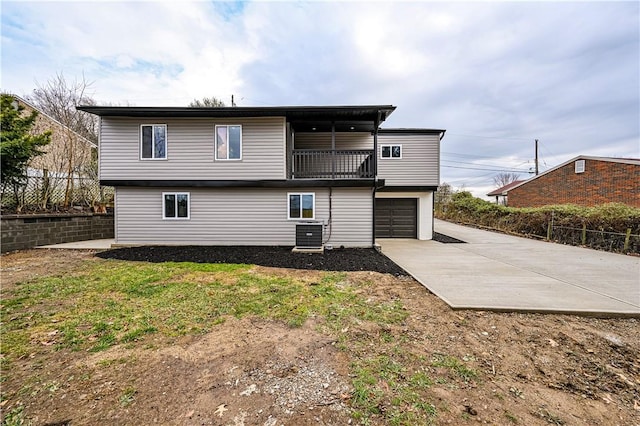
x=351, y=259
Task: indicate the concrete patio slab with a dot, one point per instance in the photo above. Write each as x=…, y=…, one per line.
x=494, y=271
x=79, y=245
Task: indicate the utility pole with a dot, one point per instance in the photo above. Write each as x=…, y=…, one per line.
x=536, y=157
x=232, y=101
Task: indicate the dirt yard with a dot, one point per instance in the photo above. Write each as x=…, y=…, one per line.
x=479, y=367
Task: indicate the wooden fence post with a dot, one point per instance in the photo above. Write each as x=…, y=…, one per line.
x=627, y=239
x=584, y=234
x=550, y=229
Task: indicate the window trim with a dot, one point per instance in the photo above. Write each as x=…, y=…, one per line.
x=391, y=157
x=166, y=142
x=215, y=142
x=301, y=194
x=164, y=209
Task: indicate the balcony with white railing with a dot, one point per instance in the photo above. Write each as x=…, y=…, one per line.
x=332, y=164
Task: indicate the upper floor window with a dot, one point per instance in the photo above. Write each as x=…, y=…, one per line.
x=175, y=205
x=228, y=142
x=302, y=206
x=153, y=141
x=391, y=151
x=579, y=166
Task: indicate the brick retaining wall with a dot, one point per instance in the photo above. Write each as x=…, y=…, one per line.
x=27, y=231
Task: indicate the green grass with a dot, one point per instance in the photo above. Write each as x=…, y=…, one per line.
x=455, y=365
x=384, y=387
x=511, y=417
x=15, y=417
x=108, y=303
x=128, y=396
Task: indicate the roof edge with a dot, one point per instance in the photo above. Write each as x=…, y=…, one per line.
x=632, y=161
x=32, y=106
x=413, y=131
x=264, y=111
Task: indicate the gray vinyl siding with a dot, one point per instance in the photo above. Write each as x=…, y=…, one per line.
x=352, y=217
x=190, y=150
x=322, y=140
x=420, y=162
x=239, y=216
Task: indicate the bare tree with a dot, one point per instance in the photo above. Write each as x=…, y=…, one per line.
x=205, y=102
x=69, y=154
x=58, y=98
x=443, y=197
x=502, y=179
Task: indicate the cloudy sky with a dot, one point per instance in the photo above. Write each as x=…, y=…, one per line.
x=496, y=75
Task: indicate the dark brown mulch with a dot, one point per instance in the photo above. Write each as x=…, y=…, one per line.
x=350, y=259
x=441, y=238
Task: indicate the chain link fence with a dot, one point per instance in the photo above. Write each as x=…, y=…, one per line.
x=46, y=192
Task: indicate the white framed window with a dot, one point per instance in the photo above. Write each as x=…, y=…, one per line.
x=579, y=166
x=153, y=142
x=176, y=205
x=391, y=151
x=301, y=205
x=228, y=142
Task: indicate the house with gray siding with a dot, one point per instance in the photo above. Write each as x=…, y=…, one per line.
x=266, y=175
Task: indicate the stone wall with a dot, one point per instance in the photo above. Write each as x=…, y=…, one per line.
x=27, y=231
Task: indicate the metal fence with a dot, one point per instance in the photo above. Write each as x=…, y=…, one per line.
x=333, y=164
x=46, y=192
x=602, y=240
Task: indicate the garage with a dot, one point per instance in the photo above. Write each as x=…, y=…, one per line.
x=396, y=217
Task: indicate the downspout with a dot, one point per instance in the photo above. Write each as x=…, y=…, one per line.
x=374, y=165
x=330, y=214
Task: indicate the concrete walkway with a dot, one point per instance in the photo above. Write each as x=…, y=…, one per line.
x=89, y=244
x=505, y=273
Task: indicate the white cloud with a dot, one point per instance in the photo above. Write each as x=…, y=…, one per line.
x=565, y=73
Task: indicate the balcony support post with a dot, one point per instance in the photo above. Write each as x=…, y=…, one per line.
x=374, y=166
x=333, y=150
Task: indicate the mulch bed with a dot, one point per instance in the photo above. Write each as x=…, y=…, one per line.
x=441, y=238
x=350, y=259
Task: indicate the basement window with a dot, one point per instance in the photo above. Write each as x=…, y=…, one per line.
x=175, y=205
x=302, y=206
x=579, y=166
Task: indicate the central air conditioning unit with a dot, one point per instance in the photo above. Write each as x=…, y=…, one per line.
x=309, y=235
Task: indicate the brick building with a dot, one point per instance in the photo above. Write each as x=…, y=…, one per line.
x=585, y=181
x=501, y=193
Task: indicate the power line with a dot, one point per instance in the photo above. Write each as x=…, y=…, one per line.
x=487, y=137
x=455, y=154
x=478, y=164
x=474, y=179
x=492, y=170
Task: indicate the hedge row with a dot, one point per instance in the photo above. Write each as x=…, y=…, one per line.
x=606, y=225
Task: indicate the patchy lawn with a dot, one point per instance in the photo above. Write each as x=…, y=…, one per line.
x=93, y=341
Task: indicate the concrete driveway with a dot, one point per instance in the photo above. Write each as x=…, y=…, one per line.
x=499, y=272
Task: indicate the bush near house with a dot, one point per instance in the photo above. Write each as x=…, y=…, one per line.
x=604, y=227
